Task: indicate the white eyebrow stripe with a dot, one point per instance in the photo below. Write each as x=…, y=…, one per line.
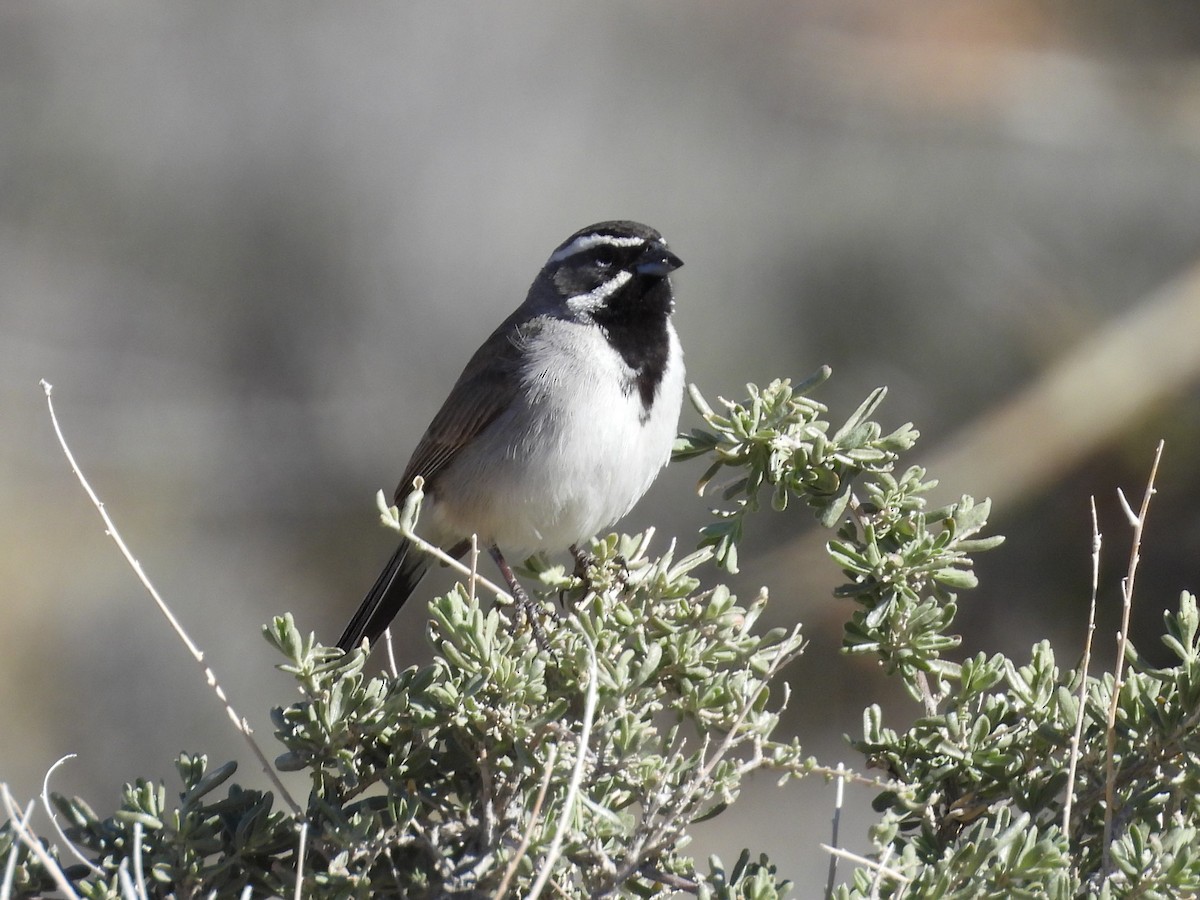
x=594, y=298
x=588, y=241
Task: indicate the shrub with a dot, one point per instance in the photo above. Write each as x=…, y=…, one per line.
x=580, y=760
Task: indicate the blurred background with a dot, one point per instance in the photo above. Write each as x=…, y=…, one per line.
x=252, y=247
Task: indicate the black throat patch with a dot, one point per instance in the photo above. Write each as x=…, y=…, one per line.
x=635, y=322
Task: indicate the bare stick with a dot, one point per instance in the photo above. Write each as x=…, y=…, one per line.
x=1110, y=772
x=474, y=566
x=296, y=895
x=70, y=845
x=927, y=696
x=1083, y=675
x=877, y=882
x=404, y=520
x=851, y=777
x=137, y=862
x=877, y=867
x=534, y=816
x=391, y=651
x=487, y=787
x=568, y=808
x=684, y=796
x=240, y=723
x=10, y=867
x=837, y=821
x=128, y=891
x=29, y=839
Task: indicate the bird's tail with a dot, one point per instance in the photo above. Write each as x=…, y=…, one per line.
x=393, y=586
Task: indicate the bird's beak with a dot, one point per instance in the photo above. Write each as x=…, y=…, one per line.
x=657, y=260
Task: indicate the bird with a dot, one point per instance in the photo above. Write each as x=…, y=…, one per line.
x=559, y=423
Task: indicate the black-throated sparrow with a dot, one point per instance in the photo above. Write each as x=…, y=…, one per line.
x=560, y=421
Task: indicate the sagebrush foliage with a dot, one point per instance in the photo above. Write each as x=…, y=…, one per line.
x=428, y=782
x=577, y=760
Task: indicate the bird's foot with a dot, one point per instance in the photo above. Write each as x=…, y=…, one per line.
x=585, y=566
x=527, y=609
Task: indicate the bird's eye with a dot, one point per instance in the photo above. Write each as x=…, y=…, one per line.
x=606, y=258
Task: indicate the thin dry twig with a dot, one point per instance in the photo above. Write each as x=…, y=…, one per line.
x=10, y=871
x=125, y=880
x=487, y=788
x=928, y=698
x=10, y=867
x=668, y=818
x=239, y=722
x=851, y=777
x=474, y=557
x=300, y=853
x=877, y=881
x=1097, y=540
x=839, y=796
x=391, y=652
x=66, y=841
x=20, y=824
x=877, y=867
x=568, y=807
x=138, y=874
x=404, y=520
x=534, y=817
x=1110, y=773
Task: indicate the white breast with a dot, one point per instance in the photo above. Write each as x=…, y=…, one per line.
x=572, y=456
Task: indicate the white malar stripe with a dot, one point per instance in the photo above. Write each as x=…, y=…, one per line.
x=595, y=298
x=588, y=241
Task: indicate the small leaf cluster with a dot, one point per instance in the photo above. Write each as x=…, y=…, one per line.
x=748, y=878
x=905, y=566
x=777, y=439
x=996, y=856
x=903, y=562
x=189, y=845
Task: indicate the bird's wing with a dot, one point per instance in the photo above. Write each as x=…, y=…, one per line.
x=483, y=391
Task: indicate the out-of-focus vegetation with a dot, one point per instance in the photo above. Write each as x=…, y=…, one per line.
x=250, y=246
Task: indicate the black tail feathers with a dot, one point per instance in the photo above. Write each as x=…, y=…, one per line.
x=393, y=586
